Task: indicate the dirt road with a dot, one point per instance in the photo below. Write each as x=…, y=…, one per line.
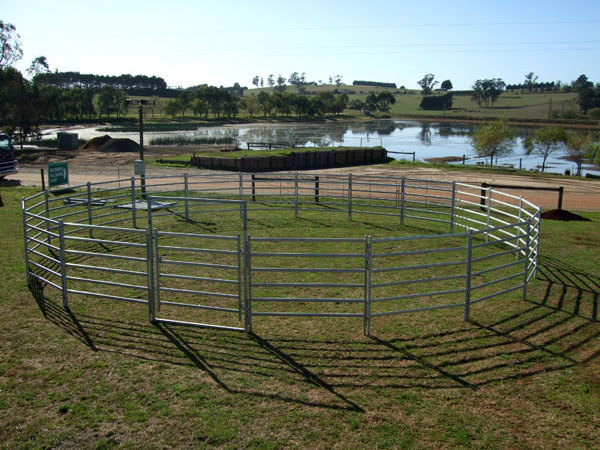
x=93, y=166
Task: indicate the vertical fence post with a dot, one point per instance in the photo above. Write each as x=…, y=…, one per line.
x=26, y=239
x=157, y=258
x=241, y=189
x=63, y=266
x=47, y=204
x=526, y=268
x=489, y=212
x=350, y=197
x=89, y=207
x=560, y=196
x=244, y=208
x=239, y=271
x=150, y=264
x=468, y=271
x=482, y=196
x=248, y=286
x=402, y=199
x=253, y=188
x=367, y=287
x=186, y=190
x=133, y=213
x=296, y=194
x=317, y=189
x=453, y=206
x=537, y=239
x=519, y=227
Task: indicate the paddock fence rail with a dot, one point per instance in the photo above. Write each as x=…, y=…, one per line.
x=98, y=241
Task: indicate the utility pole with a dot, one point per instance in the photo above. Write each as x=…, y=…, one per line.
x=141, y=168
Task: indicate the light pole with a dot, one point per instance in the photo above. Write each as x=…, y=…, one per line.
x=140, y=104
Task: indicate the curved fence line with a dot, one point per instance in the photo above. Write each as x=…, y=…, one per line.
x=98, y=240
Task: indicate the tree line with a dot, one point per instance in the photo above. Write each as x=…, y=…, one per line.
x=131, y=84
x=374, y=83
x=221, y=101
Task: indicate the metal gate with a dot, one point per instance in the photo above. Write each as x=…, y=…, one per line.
x=198, y=280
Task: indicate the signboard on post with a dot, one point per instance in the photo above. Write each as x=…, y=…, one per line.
x=58, y=174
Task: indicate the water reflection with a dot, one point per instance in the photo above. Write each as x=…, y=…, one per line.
x=427, y=139
x=425, y=134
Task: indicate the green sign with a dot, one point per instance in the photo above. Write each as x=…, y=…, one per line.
x=58, y=173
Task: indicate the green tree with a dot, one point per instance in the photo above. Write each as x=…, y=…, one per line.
x=371, y=102
x=487, y=91
x=250, y=103
x=427, y=84
x=10, y=45
x=579, y=146
x=446, y=85
x=280, y=84
x=581, y=83
x=173, y=107
x=256, y=81
x=38, y=65
x=384, y=101
x=199, y=106
x=545, y=141
x=530, y=81
x=264, y=100
x=493, y=139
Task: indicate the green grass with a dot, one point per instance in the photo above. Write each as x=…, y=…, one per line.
x=516, y=106
x=522, y=374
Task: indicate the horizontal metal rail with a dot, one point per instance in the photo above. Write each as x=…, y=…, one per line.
x=59, y=230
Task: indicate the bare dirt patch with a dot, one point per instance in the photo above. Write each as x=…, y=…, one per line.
x=97, y=166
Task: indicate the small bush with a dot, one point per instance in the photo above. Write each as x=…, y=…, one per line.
x=594, y=113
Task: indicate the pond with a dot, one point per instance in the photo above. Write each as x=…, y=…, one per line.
x=426, y=139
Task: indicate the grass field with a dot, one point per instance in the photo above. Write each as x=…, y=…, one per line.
x=520, y=374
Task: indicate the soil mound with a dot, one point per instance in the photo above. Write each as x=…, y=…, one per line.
x=119, y=145
x=564, y=215
x=96, y=143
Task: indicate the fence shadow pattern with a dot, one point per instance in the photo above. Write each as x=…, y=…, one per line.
x=100, y=241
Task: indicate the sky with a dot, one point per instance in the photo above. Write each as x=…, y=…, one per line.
x=220, y=42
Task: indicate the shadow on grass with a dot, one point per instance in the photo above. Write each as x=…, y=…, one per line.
x=555, y=329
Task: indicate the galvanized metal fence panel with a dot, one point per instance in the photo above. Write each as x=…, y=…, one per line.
x=101, y=241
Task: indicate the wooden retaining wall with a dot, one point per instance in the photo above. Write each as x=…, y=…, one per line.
x=294, y=161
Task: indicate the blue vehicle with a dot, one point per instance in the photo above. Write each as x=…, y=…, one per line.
x=8, y=160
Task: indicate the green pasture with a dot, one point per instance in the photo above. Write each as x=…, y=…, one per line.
x=520, y=374
x=512, y=105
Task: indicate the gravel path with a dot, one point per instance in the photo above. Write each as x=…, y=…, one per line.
x=579, y=195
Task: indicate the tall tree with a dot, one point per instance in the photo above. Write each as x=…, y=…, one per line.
x=493, y=139
x=530, y=81
x=280, y=83
x=250, y=103
x=545, y=141
x=427, y=84
x=10, y=45
x=38, y=65
x=579, y=147
x=256, y=81
x=271, y=80
x=384, y=101
x=264, y=100
x=446, y=85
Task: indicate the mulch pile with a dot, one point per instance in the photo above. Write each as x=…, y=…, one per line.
x=120, y=145
x=564, y=215
x=107, y=144
x=96, y=143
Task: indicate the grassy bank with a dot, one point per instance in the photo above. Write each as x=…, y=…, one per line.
x=521, y=374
